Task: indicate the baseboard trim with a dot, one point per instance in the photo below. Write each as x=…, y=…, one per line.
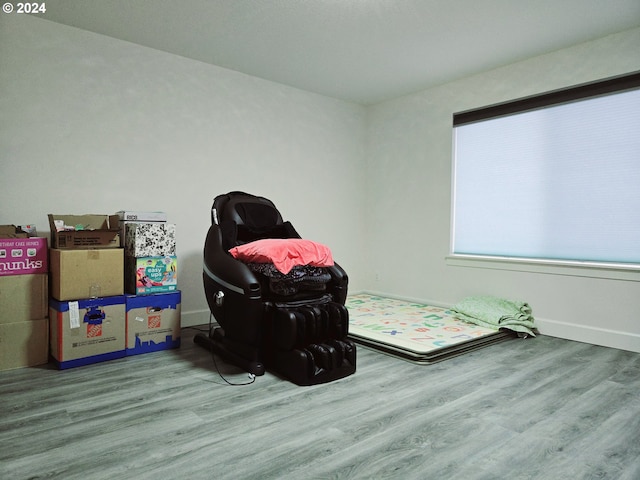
x=194, y=318
x=555, y=328
x=586, y=334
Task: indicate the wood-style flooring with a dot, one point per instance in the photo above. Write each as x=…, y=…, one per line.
x=541, y=408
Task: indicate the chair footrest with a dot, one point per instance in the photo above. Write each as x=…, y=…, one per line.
x=297, y=327
x=317, y=363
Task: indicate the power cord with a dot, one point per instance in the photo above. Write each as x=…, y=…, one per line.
x=252, y=377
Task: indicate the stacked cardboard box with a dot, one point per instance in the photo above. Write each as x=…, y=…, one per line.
x=23, y=299
x=87, y=308
x=87, y=331
x=151, y=265
x=153, y=322
x=153, y=300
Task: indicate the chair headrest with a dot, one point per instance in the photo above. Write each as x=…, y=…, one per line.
x=246, y=209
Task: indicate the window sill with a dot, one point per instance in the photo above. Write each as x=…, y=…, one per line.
x=611, y=271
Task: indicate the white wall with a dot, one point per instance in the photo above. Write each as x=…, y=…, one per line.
x=90, y=124
x=409, y=192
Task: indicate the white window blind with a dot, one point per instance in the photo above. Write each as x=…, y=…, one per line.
x=559, y=182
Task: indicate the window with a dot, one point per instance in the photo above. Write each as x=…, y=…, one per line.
x=553, y=177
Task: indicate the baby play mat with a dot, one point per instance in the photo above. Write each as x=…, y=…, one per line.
x=413, y=331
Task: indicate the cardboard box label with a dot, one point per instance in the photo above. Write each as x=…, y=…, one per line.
x=133, y=216
x=74, y=315
x=94, y=330
x=155, y=321
x=23, y=256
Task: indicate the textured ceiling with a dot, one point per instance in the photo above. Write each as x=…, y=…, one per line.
x=364, y=51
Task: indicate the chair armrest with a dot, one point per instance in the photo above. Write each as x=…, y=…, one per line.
x=339, y=283
x=229, y=272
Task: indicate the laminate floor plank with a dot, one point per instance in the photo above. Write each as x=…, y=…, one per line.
x=541, y=408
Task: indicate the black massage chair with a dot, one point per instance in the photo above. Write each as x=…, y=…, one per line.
x=294, y=325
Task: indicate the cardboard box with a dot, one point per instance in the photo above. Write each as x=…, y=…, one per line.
x=153, y=322
x=87, y=331
x=23, y=298
x=24, y=324
x=78, y=274
x=131, y=216
x=23, y=256
x=24, y=344
x=148, y=275
x=11, y=231
x=29, y=229
x=149, y=239
x=83, y=231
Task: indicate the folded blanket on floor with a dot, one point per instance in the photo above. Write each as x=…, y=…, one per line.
x=497, y=313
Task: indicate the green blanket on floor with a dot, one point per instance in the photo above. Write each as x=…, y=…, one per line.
x=497, y=313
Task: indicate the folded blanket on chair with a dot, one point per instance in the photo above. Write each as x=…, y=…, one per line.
x=497, y=313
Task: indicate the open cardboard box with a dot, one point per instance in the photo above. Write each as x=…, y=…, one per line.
x=11, y=231
x=90, y=231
